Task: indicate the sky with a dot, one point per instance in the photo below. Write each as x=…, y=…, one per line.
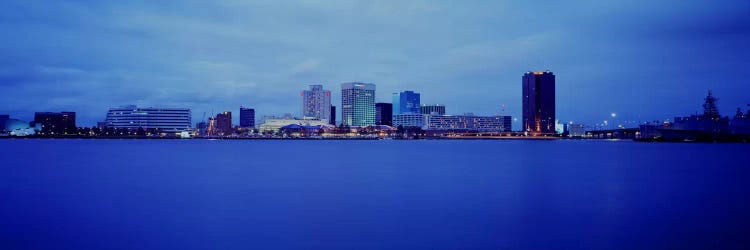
x=643, y=60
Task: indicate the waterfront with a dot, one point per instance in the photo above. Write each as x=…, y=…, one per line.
x=416, y=194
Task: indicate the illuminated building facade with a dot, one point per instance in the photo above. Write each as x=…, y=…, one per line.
x=468, y=123
x=272, y=125
x=539, y=103
x=406, y=102
x=211, y=129
x=56, y=123
x=316, y=103
x=224, y=123
x=358, y=104
x=163, y=119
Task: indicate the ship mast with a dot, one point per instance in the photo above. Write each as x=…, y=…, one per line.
x=710, y=110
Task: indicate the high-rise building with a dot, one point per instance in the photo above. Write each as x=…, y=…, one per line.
x=406, y=102
x=436, y=109
x=224, y=122
x=539, y=102
x=169, y=120
x=56, y=122
x=358, y=104
x=247, y=117
x=332, y=121
x=383, y=113
x=316, y=103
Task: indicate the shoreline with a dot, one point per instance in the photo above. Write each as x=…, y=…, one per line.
x=499, y=138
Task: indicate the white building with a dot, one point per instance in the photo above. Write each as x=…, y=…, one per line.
x=316, y=103
x=409, y=120
x=467, y=122
x=169, y=120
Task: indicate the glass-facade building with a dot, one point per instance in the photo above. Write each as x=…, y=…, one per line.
x=247, y=117
x=539, y=102
x=383, y=114
x=332, y=121
x=406, y=102
x=163, y=119
x=358, y=104
x=316, y=103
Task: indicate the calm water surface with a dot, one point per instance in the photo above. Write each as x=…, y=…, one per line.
x=200, y=194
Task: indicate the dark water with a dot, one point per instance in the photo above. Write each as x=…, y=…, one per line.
x=197, y=194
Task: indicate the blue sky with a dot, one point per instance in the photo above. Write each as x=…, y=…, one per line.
x=644, y=60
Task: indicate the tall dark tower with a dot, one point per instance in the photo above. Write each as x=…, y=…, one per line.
x=539, y=102
x=333, y=116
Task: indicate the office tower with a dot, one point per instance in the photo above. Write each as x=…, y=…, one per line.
x=247, y=117
x=436, y=109
x=224, y=122
x=316, y=103
x=56, y=122
x=358, y=104
x=406, y=102
x=384, y=113
x=170, y=120
x=332, y=121
x=539, y=102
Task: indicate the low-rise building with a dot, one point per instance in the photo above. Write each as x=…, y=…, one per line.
x=577, y=130
x=272, y=125
x=56, y=123
x=167, y=120
x=408, y=120
x=468, y=122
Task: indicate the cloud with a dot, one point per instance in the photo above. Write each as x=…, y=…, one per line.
x=218, y=55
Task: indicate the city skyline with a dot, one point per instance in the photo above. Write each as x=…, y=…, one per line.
x=88, y=57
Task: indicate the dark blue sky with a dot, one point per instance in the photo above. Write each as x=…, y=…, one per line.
x=644, y=60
